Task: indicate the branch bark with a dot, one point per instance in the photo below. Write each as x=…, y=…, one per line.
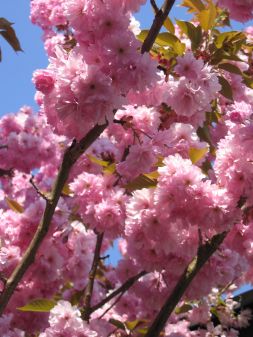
x=157, y=24
x=122, y=289
x=205, y=251
x=89, y=289
x=70, y=157
x=6, y=173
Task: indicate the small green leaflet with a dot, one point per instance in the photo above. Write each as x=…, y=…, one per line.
x=38, y=305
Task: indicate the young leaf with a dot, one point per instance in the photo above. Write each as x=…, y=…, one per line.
x=143, y=34
x=166, y=39
x=9, y=34
x=152, y=175
x=168, y=24
x=38, y=305
x=193, y=5
x=132, y=325
x=183, y=309
x=66, y=190
x=230, y=68
x=207, y=17
x=14, y=205
x=76, y=297
x=197, y=154
x=117, y=323
x=229, y=37
x=140, y=182
x=248, y=81
x=193, y=33
x=97, y=161
x=226, y=89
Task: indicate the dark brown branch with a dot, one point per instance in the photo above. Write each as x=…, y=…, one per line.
x=70, y=157
x=6, y=173
x=122, y=289
x=89, y=289
x=154, y=5
x=205, y=251
x=111, y=306
x=38, y=191
x=157, y=24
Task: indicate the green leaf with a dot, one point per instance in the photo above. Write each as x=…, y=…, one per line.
x=143, y=34
x=110, y=168
x=183, y=309
x=76, y=297
x=179, y=48
x=107, y=166
x=221, y=55
x=193, y=33
x=207, y=17
x=14, y=205
x=97, y=161
x=66, y=190
x=214, y=311
x=132, y=325
x=142, y=331
x=230, y=68
x=117, y=323
x=248, y=81
x=166, y=39
x=152, y=175
x=226, y=89
x=229, y=37
x=197, y=154
x=38, y=305
x=204, y=135
x=141, y=182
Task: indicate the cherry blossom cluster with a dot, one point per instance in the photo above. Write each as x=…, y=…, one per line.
x=239, y=10
x=172, y=169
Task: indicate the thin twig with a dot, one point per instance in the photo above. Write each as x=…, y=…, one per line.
x=38, y=191
x=205, y=251
x=111, y=306
x=69, y=158
x=89, y=289
x=157, y=24
x=122, y=289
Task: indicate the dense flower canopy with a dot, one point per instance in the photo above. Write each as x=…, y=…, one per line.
x=147, y=149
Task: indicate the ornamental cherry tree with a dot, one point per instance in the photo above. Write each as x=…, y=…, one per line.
x=142, y=139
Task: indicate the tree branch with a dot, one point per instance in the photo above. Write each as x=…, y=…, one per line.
x=89, y=289
x=154, y=5
x=122, y=289
x=41, y=194
x=70, y=157
x=8, y=173
x=157, y=24
x=205, y=251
